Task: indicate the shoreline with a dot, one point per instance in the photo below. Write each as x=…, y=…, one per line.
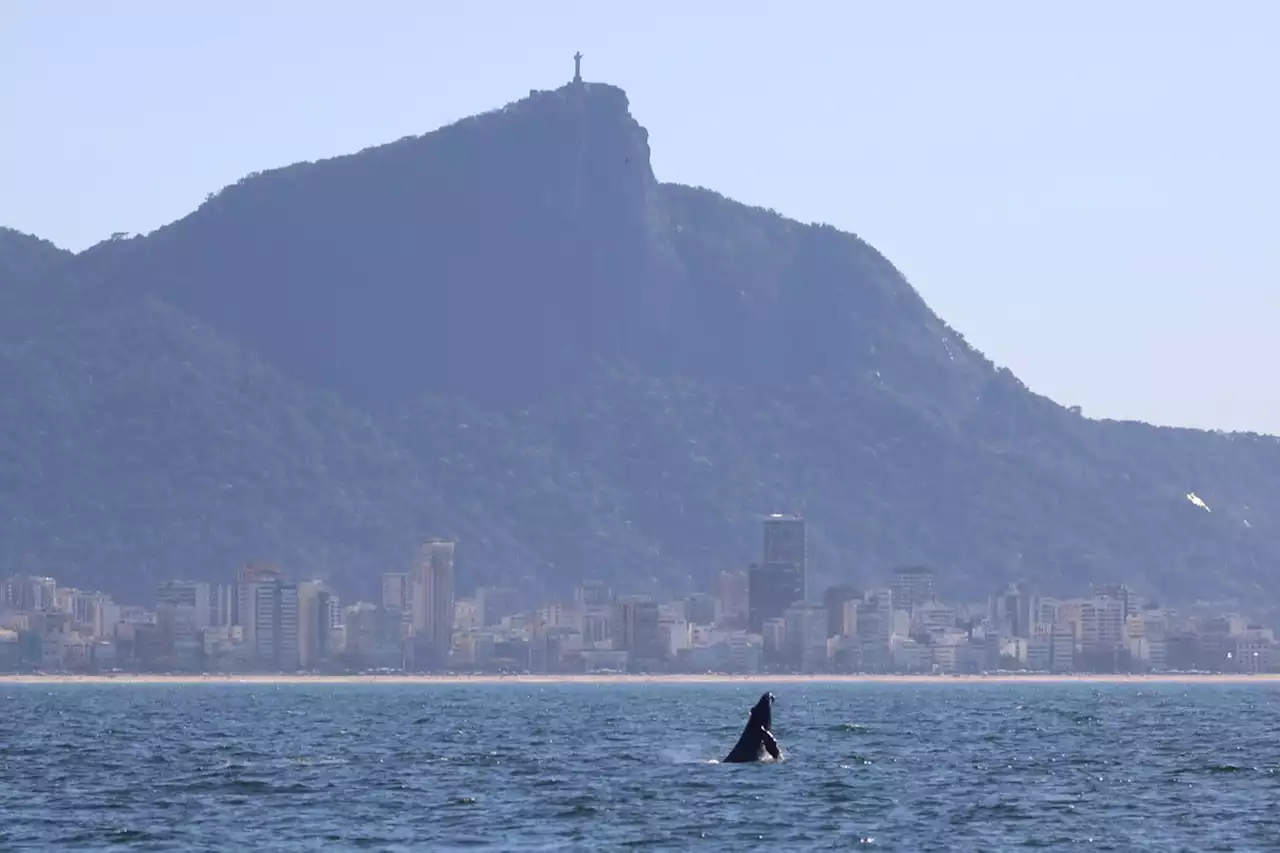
x=1219, y=679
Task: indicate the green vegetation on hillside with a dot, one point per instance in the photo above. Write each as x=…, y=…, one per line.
x=508, y=331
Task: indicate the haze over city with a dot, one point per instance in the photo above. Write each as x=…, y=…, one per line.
x=1087, y=193
x=409, y=442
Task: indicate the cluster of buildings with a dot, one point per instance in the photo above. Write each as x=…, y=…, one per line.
x=261, y=622
x=762, y=619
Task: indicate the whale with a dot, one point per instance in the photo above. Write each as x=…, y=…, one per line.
x=757, y=736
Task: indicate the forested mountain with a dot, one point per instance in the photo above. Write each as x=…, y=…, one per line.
x=509, y=331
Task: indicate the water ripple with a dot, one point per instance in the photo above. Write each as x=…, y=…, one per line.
x=547, y=767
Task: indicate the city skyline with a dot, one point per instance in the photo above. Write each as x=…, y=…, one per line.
x=763, y=618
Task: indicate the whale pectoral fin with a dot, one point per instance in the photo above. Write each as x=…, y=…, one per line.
x=771, y=744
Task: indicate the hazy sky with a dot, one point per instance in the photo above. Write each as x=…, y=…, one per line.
x=1089, y=191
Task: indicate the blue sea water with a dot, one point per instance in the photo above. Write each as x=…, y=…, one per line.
x=948, y=767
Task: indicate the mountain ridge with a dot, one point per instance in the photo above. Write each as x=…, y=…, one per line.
x=584, y=371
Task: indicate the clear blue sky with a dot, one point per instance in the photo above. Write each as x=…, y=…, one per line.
x=1089, y=191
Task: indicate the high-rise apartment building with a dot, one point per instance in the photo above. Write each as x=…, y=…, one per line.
x=733, y=596
x=635, y=628
x=1117, y=592
x=779, y=580
x=433, y=600
x=267, y=613
x=590, y=594
x=1014, y=609
x=912, y=587
x=317, y=609
x=95, y=611
x=222, y=605
x=772, y=588
x=805, y=634
x=192, y=595
x=275, y=626
x=785, y=541
x=397, y=592
x=248, y=579
x=28, y=593
x=702, y=609
x=841, y=620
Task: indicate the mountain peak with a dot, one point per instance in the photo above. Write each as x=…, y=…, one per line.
x=597, y=114
x=578, y=369
x=334, y=268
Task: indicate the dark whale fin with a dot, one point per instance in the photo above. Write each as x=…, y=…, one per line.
x=756, y=738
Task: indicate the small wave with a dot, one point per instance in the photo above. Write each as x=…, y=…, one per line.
x=681, y=756
x=578, y=810
x=1210, y=768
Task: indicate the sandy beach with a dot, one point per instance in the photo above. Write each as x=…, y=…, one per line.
x=606, y=679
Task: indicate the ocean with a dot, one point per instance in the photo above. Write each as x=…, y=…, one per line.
x=948, y=767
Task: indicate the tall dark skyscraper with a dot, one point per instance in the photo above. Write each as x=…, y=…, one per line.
x=432, y=588
x=778, y=581
x=1013, y=609
x=785, y=541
